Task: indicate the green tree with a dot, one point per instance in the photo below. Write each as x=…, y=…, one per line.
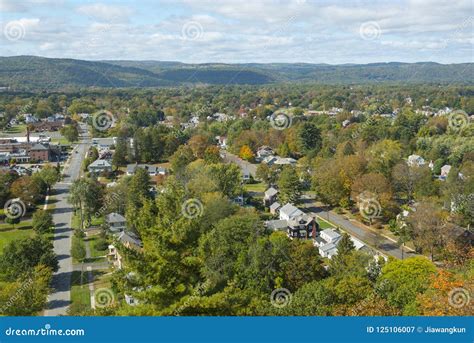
x=20, y=256
x=42, y=221
x=309, y=138
x=70, y=132
x=289, y=186
x=402, y=280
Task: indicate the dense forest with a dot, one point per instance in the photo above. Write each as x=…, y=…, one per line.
x=48, y=74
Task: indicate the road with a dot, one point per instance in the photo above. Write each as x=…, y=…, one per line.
x=244, y=165
x=60, y=298
x=369, y=237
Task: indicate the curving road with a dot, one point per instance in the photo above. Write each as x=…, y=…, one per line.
x=60, y=298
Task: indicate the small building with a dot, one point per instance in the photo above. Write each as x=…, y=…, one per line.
x=99, y=167
x=445, y=172
x=274, y=208
x=270, y=196
x=416, y=160
x=116, y=222
x=264, y=151
x=152, y=170
x=246, y=175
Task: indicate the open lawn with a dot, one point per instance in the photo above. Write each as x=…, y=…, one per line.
x=323, y=224
x=93, y=244
x=80, y=295
x=8, y=233
x=255, y=187
x=16, y=129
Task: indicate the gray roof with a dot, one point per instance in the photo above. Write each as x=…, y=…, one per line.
x=271, y=192
x=277, y=224
x=129, y=237
x=100, y=163
x=115, y=218
x=39, y=147
x=331, y=233
x=328, y=247
x=291, y=211
x=275, y=206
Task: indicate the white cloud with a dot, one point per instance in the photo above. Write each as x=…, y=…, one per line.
x=102, y=12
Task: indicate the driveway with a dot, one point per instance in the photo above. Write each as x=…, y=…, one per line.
x=60, y=298
x=371, y=238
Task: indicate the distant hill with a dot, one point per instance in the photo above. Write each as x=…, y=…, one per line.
x=39, y=73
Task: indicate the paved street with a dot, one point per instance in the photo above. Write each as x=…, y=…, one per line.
x=371, y=238
x=244, y=165
x=59, y=299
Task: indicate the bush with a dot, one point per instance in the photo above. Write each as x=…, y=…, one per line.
x=101, y=244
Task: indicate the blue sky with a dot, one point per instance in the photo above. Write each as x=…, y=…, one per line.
x=235, y=31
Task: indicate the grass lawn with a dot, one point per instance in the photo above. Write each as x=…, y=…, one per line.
x=324, y=224
x=16, y=129
x=80, y=295
x=255, y=187
x=8, y=233
x=62, y=141
x=95, y=252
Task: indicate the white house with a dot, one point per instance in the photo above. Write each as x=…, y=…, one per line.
x=416, y=160
x=289, y=212
x=445, y=172
x=99, y=166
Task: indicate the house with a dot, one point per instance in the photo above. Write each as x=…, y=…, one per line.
x=445, y=172
x=116, y=222
x=303, y=227
x=415, y=160
x=269, y=196
x=100, y=166
x=222, y=141
x=295, y=222
x=246, y=175
x=326, y=242
x=39, y=152
x=277, y=160
x=104, y=142
x=152, y=170
x=129, y=240
x=274, y=208
x=114, y=257
x=269, y=160
x=264, y=151
x=289, y=212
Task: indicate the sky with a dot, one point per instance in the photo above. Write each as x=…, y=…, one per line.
x=240, y=31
